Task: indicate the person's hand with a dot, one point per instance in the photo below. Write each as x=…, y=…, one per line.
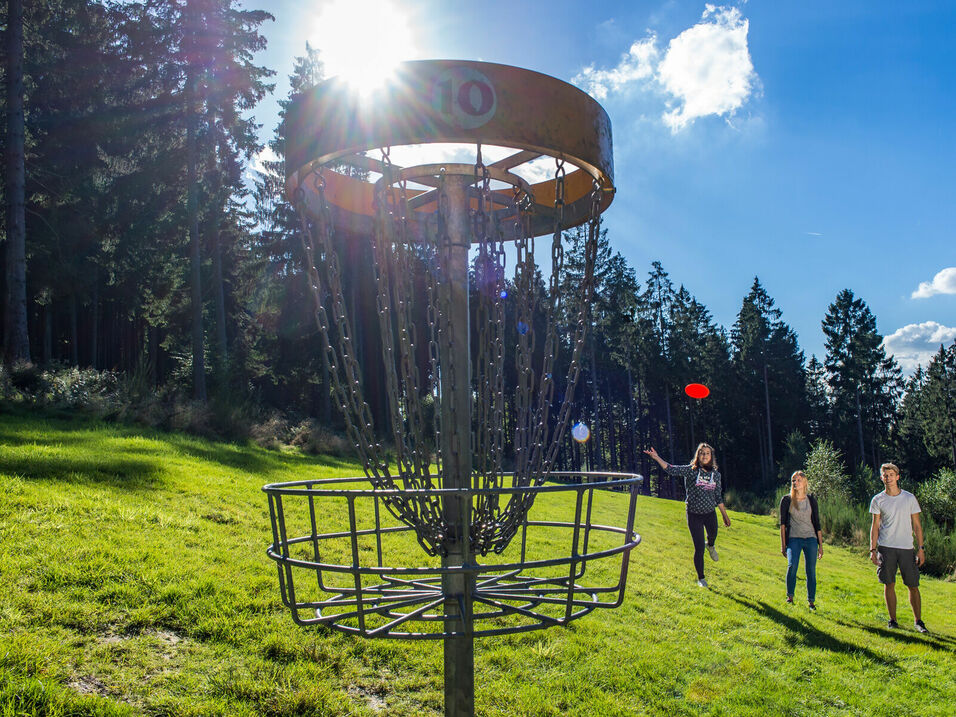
x=652, y=453
x=875, y=558
x=819, y=552
x=727, y=520
x=920, y=557
x=783, y=551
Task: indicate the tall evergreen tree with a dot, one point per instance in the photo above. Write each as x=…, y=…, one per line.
x=15, y=336
x=654, y=314
x=938, y=406
x=818, y=400
x=864, y=383
x=769, y=371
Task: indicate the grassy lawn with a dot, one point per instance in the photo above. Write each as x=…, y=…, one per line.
x=133, y=580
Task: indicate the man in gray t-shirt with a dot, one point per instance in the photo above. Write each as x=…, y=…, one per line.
x=895, y=520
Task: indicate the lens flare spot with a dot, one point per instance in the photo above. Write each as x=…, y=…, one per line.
x=580, y=432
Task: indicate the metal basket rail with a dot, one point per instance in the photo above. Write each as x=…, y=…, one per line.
x=344, y=561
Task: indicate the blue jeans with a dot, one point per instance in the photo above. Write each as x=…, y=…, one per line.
x=808, y=546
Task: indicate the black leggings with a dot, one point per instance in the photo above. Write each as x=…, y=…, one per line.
x=697, y=522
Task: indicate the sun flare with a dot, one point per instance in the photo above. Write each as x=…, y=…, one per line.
x=362, y=41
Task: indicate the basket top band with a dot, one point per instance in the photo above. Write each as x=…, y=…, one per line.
x=451, y=101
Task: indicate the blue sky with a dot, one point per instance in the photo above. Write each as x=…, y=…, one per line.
x=812, y=144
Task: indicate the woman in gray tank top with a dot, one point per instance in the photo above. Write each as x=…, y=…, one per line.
x=800, y=533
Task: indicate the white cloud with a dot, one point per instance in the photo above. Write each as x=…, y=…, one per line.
x=915, y=344
x=636, y=65
x=943, y=283
x=706, y=70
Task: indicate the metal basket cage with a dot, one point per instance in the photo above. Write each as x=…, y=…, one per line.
x=345, y=562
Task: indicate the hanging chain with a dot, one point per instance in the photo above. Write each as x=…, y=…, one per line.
x=411, y=281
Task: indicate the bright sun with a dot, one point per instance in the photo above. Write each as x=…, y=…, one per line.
x=361, y=41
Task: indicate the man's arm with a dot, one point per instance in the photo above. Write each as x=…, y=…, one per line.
x=874, y=536
x=918, y=530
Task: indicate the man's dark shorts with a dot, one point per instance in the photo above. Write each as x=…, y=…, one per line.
x=893, y=558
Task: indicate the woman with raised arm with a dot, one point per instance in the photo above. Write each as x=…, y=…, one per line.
x=800, y=532
x=705, y=494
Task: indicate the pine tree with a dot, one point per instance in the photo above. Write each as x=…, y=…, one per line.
x=938, y=406
x=864, y=383
x=15, y=336
x=768, y=364
x=818, y=399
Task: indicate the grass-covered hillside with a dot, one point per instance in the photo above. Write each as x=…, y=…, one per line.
x=133, y=580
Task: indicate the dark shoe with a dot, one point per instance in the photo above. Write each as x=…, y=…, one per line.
x=892, y=624
x=702, y=583
x=920, y=627
x=789, y=599
x=812, y=606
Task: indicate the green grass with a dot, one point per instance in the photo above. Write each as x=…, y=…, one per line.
x=133, y=580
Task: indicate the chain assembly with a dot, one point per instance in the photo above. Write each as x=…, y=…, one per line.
x=514, y=439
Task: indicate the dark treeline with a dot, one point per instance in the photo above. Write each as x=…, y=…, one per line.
x=147, y=253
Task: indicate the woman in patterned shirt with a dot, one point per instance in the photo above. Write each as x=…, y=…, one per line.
x=704, y=494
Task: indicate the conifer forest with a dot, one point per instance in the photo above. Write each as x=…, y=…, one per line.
x=145, y=256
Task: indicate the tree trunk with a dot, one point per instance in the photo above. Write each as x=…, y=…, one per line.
x=598, y=459
x=220, y=303
x=614, y=447
x=74, y=333
x=192, y=211
x=693, y=436
x=15, y=334
x=670, y=426
x=766, y=395
x=218, y=289
x=859, y=425
x=95, y=328
x=47, y=333
x=631, y=422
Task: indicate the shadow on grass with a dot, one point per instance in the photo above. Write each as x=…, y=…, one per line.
x=807, y=633
x=113, y=471
x=85, y=435
x=934, y=640
x=248, y=459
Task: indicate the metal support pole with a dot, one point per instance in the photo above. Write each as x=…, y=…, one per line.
x=456, y=453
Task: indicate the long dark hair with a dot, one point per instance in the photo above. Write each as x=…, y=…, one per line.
x=696, y=464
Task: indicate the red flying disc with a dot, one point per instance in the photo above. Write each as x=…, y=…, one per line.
x=696, y=390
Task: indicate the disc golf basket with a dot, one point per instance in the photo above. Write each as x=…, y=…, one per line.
x=466, y=475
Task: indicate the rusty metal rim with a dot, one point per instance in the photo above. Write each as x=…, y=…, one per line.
x=534, y=113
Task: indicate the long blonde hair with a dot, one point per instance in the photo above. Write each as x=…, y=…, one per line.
x=793, y=491
x=696, y=464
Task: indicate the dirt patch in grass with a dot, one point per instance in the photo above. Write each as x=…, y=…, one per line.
x=373, y=696
x=88, y=685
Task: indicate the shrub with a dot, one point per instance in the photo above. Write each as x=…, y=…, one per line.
x=824, y=469
x=843, y=521
x=794, y=455
x=80, y=388
x=64, y=387
x=937, y=497
x=314, y=438
x=273, y=433
x=940, y=549
x=749, y=502
x=863, y=484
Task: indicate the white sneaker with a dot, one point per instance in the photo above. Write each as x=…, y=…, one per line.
x=702, y=583
x=713, y=552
